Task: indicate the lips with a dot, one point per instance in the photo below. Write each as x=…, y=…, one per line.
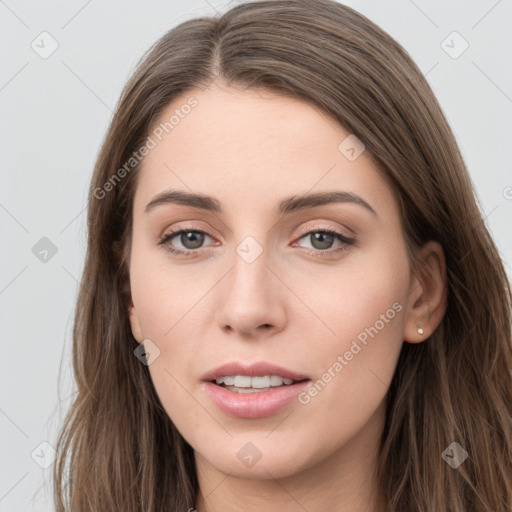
x=258, y=369
x=253, y=403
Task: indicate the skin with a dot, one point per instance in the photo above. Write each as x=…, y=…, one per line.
x=250, y=149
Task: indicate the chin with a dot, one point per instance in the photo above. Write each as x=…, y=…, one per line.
x=257, y=458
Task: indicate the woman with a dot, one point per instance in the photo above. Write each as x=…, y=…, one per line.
x=290, y=300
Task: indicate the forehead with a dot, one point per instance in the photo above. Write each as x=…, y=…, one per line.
x=250, y=148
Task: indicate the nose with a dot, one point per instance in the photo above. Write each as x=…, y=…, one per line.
x=251, y=299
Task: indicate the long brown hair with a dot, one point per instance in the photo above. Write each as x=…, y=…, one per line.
x=118, y=449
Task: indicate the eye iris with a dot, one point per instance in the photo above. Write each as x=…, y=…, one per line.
x=192, y=236
x=320, y=237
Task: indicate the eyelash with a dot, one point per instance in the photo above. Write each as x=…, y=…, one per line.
x=164, y=241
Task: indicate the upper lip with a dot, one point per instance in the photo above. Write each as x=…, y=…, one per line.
x=260, y=368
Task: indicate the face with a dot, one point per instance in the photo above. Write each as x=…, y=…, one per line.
x=316, y=290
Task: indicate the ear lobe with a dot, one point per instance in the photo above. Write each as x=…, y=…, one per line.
x=428, y=294
x=135, y=323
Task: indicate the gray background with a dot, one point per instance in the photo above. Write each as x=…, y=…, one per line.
x=54, y=114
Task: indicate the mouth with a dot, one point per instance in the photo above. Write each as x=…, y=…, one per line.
x=253, y=391
x=254, y=384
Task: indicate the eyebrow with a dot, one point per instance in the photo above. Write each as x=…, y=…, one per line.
x=287, y=205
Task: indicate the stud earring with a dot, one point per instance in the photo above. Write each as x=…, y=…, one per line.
x=420, y=330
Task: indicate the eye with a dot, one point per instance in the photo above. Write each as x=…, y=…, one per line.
x=191, y=240
x=322, y=239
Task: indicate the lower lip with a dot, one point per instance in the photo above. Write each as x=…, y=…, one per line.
x=254, y=405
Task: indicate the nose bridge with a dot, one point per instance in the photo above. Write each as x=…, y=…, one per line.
x=250, y=275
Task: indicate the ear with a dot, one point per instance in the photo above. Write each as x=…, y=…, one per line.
x=427, y=294
x=135, y=323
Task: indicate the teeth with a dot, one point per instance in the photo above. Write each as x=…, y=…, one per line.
x=260, y=382
x=275, y=380
x=241, y=381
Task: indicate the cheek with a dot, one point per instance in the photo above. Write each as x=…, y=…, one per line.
x=167, y=316
x=168, y=303
x=359, y=328
x=363, y=300
x=160, y=291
